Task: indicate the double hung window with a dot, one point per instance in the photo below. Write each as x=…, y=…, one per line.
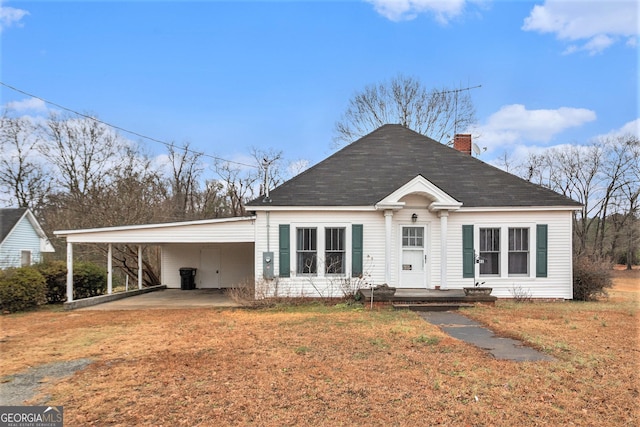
x=490, y=251
x=518, y=251
x=334, y=244
x=307, y=251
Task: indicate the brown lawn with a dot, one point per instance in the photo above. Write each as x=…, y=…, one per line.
x=332, y=366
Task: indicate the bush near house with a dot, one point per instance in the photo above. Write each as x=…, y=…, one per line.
x=55, y=274
x=89, y=280
x=21, y=288
x=591, y=278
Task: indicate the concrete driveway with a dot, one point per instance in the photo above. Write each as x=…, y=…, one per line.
x=168, y=299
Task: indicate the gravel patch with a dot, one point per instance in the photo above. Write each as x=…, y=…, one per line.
x=17, y=388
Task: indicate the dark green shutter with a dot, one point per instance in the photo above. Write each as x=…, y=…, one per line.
x=285, y=252
x=541, y=250
x=468, y=264
x=356, y=250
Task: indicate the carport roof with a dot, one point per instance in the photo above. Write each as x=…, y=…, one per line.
x=223, y=230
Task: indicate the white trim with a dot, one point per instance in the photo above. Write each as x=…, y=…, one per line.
x=517, y=208
x=420, y=185
x=320, y=248
x=426, y=252
x=291, y=208
x=64, y=233
x=45, y=244
x=504, y=249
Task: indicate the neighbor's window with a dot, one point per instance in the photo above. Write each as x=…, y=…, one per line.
x=490, y=251
x=334, y=250
x=25, y=258
x=519, y=251
x=307, y=247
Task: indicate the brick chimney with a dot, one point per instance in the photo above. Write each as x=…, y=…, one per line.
x=462, y=142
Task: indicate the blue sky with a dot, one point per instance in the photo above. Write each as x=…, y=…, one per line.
x=228, y=76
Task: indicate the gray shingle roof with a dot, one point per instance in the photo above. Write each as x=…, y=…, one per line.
x=366, y=171
x=8, y=219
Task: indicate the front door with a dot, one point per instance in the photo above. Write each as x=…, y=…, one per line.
x=208, y=275
x=413, y=257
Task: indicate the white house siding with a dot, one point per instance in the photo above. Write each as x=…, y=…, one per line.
x=318, y=285
x=557, y=284
x=22, y=238
x=235, y=264
x=373, y=222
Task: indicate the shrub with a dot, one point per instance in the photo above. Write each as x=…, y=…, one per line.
x=21, y=288
x=55, y=275
x=591, y=277
x=89, y=280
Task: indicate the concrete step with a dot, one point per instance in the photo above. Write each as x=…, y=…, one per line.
x=431, y=306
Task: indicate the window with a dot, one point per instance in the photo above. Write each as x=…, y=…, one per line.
x=413, y=237
x=307, y=246
x=490, y=251
x=334, y=250
x=25, y=258
x=519, y=251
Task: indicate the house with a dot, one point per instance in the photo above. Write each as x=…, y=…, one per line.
x=22, y=241
x=394, y=207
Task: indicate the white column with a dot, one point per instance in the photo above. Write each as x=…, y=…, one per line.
x=443, y=248
x=69, y=272
x=388, y=215
x=140, y=267
x=110, y=270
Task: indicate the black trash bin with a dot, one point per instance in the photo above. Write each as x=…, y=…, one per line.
x=187, y=278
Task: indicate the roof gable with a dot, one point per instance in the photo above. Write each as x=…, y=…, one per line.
x=378, y=164
x=420, y=185
x=11, y=217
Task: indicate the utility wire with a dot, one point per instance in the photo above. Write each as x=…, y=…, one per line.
x=167, y=144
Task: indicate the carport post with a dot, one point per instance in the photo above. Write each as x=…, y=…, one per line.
x=140, y=267
x=110, y=270
x=69, y=272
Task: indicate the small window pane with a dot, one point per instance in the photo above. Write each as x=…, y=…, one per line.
x=334, y=250
x=490, y=251
x=306, y=251
x=519, y=251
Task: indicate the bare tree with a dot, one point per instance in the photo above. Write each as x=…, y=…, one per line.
x=239, y=185
x=83, y=151
x=404, y=100
x=186, y=170
x=23, y=176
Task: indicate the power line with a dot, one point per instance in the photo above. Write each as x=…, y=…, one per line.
x=167, y=144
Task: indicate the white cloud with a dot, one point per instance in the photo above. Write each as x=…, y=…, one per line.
x=27, y=105
x=10, y=16
x=406, y=10
x=514, y=124
x=629, y=128
x=596, y=24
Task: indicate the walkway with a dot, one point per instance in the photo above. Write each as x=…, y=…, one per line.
x=472, y=332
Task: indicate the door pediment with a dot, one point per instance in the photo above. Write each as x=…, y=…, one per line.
x=439, y=199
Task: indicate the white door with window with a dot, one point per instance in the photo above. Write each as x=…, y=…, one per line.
x=208, y=275
x=413, y=257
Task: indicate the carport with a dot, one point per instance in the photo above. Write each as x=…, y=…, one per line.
x=221, y=250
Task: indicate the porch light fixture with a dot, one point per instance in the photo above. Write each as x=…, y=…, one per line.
x=414, y=217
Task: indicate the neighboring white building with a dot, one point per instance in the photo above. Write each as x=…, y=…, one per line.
x=394, y=207
x=22, y=241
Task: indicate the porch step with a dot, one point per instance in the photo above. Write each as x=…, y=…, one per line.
x=431, y=306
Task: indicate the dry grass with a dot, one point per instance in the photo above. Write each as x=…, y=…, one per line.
x=319, y=365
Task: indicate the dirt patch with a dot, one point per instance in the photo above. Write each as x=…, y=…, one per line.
x=19, y=388
x=626, y=280
x=343, y=365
